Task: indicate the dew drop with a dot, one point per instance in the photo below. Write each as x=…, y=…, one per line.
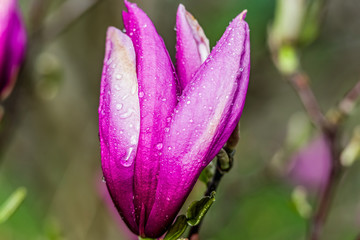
x=188, y=102
x=127, y=114
x=119, y=106
x=159, y=146
x=133, y=139
x=141, y=94
x=241, y=69
x=118, y=76
x=103, y=179
x=130, y=150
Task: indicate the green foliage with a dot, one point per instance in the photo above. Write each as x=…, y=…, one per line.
x=11, y=204
x=198, y=209
x=177, y=229
x=194, y=215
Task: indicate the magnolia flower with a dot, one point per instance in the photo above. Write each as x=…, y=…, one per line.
x=12, y=45
x=159, y=128
x=310, y=166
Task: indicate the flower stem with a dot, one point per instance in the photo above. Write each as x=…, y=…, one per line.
x=225, y=154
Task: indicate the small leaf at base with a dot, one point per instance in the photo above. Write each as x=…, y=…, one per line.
x=198, y=209
x=177, y=229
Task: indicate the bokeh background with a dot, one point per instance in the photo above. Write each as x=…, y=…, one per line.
x=52, y=148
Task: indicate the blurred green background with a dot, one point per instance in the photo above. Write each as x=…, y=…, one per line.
x=54, y=148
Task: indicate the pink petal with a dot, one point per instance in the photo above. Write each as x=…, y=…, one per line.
x=119, y=122
x=205, y=117
x=192, y=46
x=157, y=93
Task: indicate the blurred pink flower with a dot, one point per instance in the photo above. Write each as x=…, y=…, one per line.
x=160, y=128
x=310, y=166
x=12, y=45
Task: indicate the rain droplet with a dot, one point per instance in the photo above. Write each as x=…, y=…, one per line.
x=118, y=76
x=127, y=114
x=188, y=102
x=103, y=179
x=141, y=94
x=241, y=69
x=119, y=106
x=159, y=146
x=130, y=150
x=133, y=140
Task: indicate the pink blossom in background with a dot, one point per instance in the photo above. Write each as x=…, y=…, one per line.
x=310, y=166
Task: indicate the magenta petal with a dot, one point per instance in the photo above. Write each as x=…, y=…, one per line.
x=119, y=122
x=12, y=45
x=192, y=46
x=310, y=167
x=205, y=117
x=157, y=93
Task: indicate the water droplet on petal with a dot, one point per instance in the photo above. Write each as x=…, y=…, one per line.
x=159, y=146
x=141, y=94
x=119, y=106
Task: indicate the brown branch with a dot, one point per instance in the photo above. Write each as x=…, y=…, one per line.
x=300, y=82
x=347, y=104
x=327, y=194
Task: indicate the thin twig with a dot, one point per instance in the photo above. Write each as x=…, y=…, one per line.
x=225, y=159
x=300, y=82
x=212, y=186
x=327, y=194
x=347, y=104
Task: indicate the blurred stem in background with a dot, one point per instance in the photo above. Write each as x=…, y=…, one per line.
x=297, y=24
x=43, y=30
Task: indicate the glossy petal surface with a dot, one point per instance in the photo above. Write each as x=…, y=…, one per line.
x=205, y=117
x=157, y=94
x=119, y=122
x=192, y=46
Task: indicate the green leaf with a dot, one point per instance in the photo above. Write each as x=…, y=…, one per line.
x=198, y=209
x=177, y=229
x=140, y=238
x=12, y=203
x=208, y=173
